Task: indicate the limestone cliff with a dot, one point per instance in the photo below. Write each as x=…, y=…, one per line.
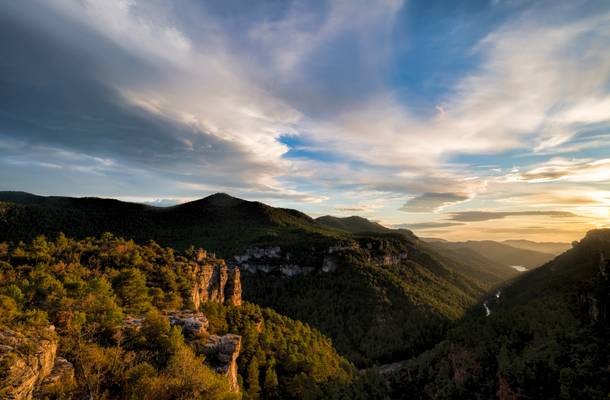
x=274, y=259
x=221, y=353
x=29, y=366
x=213, y=281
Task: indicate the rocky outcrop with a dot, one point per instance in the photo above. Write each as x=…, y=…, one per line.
x=215, y=282
x=192, y=323
x=257, y=253
x=60, y=378
x=26, y=362
x=233, y=288
x=221, y=354
x=221, y=351
x=273, y=259
x=388, y=259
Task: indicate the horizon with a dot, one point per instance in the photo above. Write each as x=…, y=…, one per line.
x=485, y=120
x=163, y=205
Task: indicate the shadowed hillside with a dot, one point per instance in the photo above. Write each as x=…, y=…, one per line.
x=546, y=337
x=380, y=295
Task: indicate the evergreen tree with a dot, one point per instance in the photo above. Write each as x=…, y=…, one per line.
x=254, y=388
x=130, y=285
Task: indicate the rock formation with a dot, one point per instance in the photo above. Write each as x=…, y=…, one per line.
x=221, y=351
x=192, y=323
x=221, y=354
x=214, y=281
x=60, y=378
x=594, y=298
x=274, y=259
x=29, y=364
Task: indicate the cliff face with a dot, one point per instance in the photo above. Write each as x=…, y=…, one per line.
x=274, y=259
x=31, y=365
x=214, y=281
x=221, y=353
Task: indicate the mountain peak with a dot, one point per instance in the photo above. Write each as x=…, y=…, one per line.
x=221, y=200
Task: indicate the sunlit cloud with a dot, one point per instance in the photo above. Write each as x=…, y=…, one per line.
x=490, y=215
x=432, y=202
x=571, y=170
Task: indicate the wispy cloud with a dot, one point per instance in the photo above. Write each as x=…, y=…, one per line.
x=432, y=202
x=426, y=225
x=573, y=170
x=470, y=216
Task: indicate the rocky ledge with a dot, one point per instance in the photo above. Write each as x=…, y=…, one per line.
x=29, y=367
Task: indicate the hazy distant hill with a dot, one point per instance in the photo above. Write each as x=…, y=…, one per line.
x=555, y=248
x=479, y=262
x=546, y=337
x=499, y=253
x=379, y=295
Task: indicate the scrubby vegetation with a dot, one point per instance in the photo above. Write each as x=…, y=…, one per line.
x=86, y=289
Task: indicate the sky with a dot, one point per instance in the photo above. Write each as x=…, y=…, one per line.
x=460, y=120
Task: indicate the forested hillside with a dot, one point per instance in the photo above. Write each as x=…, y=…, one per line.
x=219, y=223
x=107, y=304
x=546, y=337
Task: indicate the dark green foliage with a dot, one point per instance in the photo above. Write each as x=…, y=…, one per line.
x=541, y=340
x=130, y=286
x=374, y=314
x=67, y=283
x=352, y=224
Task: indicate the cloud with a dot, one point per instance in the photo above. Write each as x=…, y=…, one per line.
x=432, y=202
x=473, y=216
x=426, y=225
x=149, y=99
x=572, y=170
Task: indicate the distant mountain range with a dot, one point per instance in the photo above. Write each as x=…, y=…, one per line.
x=499, y=253
x=554, y=248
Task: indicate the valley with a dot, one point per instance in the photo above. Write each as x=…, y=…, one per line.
x=371, y=299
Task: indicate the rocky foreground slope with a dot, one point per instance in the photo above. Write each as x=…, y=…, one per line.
x=29, y=365
x=147, y=322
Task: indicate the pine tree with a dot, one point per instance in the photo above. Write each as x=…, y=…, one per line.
x=254, y=387
x=271, y=382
